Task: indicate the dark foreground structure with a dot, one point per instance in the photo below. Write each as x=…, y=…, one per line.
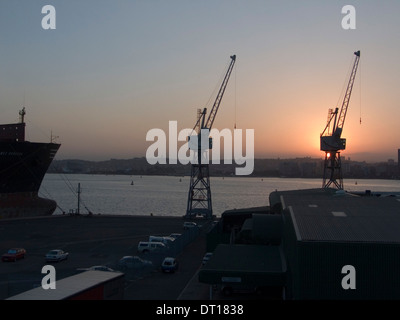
x=309, y=245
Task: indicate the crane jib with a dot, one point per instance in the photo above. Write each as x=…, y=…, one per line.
x=346, y=100
x=220, y=94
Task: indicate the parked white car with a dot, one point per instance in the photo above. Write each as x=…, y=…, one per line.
x=56, y=255
x=133, y=262
x=169, y=264
x=164, y=239
x=146, y=246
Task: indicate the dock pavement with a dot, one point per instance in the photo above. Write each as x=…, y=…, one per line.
x=101, y=240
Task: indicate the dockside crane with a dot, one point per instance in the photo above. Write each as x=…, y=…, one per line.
x=331, y=141
x=199, y=197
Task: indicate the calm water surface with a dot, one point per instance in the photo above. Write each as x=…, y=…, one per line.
x=165, y=195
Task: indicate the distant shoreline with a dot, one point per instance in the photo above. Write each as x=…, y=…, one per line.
x=263, y=168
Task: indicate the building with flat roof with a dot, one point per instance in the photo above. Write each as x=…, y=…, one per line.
x=327, y=232
x=333, y=245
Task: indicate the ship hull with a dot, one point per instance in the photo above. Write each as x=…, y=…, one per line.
x=17, y=205
x=22, y=169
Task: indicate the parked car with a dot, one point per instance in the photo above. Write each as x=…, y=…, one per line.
x=97, y=268
x=189, y=224
x=133, y=262
x=14, y=254
x=56, y=255
x=168, y=240
x=169, y=264
x=146, y=246
x=164, y=239
x=207, y=257
x=175, y=235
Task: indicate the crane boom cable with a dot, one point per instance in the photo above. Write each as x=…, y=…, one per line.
x=346, y=100
x=331, y=115
x=197, y=124
x=217, y=85
x=345, y=83
x=72, y=189
x=360, y=90
x=214, y=110
x=235, y=98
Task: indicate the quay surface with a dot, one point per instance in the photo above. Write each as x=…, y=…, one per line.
x=101, y=240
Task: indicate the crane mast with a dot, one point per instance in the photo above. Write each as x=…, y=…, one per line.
x=331, y=141
x=199, y=197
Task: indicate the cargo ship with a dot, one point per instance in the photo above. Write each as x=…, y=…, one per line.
x=23, y=165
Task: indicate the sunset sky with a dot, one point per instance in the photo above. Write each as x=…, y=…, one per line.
x=113, y=70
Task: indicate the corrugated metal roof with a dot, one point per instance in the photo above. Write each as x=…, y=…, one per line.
x=241, y=261
x=323, y=215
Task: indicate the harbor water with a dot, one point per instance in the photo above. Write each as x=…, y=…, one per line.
x=168, y=195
